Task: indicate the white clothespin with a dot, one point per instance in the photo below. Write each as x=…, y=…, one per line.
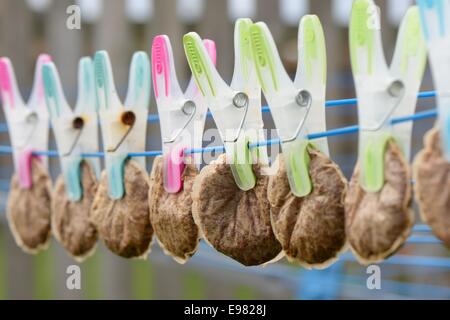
x=75, y=131
x=435, y=16
x=182, y=115
x=236, y=108
x=384, y=93
x=123, y=125
x=298, y=108
x=28, y=123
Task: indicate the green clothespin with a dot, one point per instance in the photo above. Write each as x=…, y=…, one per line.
x=298, y=107
x=236, y=108
x=383, y=93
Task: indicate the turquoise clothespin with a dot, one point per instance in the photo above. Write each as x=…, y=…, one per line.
x=123, y=125
x=435, y=17
x=75, y=131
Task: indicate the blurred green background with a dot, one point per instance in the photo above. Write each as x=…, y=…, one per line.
x=30, y=27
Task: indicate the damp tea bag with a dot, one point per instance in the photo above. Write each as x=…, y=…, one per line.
x=28, y=208
x=230, y=203
x=182, y=118
x=120, y=211
x=75, y=133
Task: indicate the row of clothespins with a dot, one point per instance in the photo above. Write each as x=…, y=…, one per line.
x=297, y=107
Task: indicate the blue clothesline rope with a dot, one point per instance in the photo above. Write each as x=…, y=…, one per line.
x=152, y=118
x=220, y=149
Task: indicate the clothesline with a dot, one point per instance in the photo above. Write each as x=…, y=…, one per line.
x=220, y=149
x=328, y=104
x=265, y=109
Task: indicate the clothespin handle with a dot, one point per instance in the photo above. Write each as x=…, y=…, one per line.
x=408, y=65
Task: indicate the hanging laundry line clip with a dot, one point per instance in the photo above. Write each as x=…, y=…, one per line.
x=28, y=123
x=236, y=109
x=182, y=115
x=75, y=131
x=435, y=16
x=384, y=92
x=123, y=126
x=298, y=107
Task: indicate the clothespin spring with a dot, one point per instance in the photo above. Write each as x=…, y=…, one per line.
x=240, y=100
x=77, y=124
x=189, y=108
x=395, y=90
x=303, y=100
x=128, y=118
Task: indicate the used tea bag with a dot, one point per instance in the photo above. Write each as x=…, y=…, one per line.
x=230, y=203
x=120, y=211
x=431, y=168
x=432, y=186
x=70, y=219
x=182, y=117
x=124, y=224
x=378, y=223
x=28, y=206
x=311, y=229
x=28, y=210
x=235, y=222
x=75, y=132
x=379, y=218
x=171, y=214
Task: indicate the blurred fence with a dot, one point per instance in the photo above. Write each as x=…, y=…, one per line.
x=28, y=28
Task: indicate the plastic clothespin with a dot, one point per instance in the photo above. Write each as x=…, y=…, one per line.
x=75, y=131
x=384, y=92
x=435, y=16
x=236, y=109
x=124, y=125
x=182, y=115
x=297, y=107
x=28, y=123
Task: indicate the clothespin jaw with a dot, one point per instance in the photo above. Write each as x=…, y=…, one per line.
x=28, y=123
x=182, y=115
x=383, y=91
x=229, y=105
x=435, y=17
x=298, y=107
x=75, y=132
x=123, y=126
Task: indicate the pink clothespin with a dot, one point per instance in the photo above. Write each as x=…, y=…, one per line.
x=28, y=123
x=182, y=115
